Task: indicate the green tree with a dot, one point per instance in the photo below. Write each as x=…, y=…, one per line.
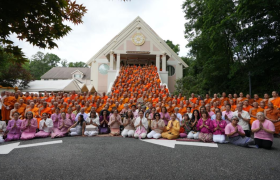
x=77, y=64
x=41, y=63
x=38, y=22
x=175, y=48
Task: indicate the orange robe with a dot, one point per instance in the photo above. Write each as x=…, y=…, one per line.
x=207, y=101
x=276, y=102
x=274, y=114
x=21, y=110
x=8, y=101
x=87, y=109
x=183, y=111
x=247, y=108
x=254, y=113
x=193, y=100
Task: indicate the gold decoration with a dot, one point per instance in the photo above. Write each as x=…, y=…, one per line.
x=138, y=39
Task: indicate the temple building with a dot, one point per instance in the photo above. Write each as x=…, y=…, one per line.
x=136, y=44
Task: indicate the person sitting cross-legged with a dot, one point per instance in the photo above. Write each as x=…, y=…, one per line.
x=45, y=127
x=157, y=126
x=128, y=124
x=173, y=128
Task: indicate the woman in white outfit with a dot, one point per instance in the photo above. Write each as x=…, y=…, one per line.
x=92, y=123
x=3, y=128
x=78, y=128
x=141, y=126
x=157, y=126
x=128, y=124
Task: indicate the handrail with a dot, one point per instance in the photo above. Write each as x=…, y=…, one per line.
x=111, y=84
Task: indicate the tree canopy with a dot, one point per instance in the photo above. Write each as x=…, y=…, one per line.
x=228, y=40
x=38, y=22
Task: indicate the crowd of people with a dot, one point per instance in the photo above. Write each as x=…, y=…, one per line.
x=140, y=107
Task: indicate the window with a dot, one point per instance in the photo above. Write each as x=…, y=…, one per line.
x=103, y=69
x=171, y=70
x=76, y=76
x=46, y=79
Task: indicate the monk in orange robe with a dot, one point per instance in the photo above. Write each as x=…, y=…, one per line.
x=16, y=107
x=275, y=100
x=241, y=98
x=170, y=108
x=182, y=109
x=257, y=99
x=223, y=98
x=193, y=98
x=7, y=106
x=246, y=106
x=207, y=99
x=253, y=112
x=273, y=115
x=22, y=108
x=33, y=109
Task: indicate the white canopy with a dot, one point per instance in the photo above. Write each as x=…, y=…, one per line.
x=59, y=85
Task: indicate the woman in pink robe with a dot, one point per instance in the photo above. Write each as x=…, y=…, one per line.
x=14, y=128
x=63, y=126
x=55, y=118
x=28, y=127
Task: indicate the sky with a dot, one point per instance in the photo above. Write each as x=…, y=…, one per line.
x=106, y=18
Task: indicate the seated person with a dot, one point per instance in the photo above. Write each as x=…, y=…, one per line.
x=92, y=123
x=205, y=128
x=185, y=126
x=141, y=126
x=14, y=128
x=157, y=126
x=28, y=127
x=103, y=121
x=115, y=122
x=128, y=124
x=236, y=134
x=193, y=134
x=173, y=128
x=78, y=128
x=3, y=128
x=263, y=130
x=63, y=126
x=219, y=126
x=45, y=126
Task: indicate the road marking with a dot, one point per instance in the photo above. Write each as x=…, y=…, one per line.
x=6, y=149
x=172, y=143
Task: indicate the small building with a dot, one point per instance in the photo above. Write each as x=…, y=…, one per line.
x=137, y=44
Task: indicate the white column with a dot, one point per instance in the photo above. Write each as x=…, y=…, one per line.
x=118, y=61
x=111, y=60
x=157, y=62
x=164, y=62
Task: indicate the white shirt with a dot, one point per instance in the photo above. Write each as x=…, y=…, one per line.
x=1, y=99
x=3, y=127
x=49, y=124
x=190, y=115
x=92, y=127
x=144, y=122
x=242, y=123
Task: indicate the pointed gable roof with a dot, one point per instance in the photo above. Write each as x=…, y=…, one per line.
x=119, y=38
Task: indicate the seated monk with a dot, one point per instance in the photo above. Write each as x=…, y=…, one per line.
x=253, y=112
x=273, y=115
x=215, y=98
x=16, y=107
x=233, y=107
x=246, y=106
x=169, y=107
x=182, y=108
x=257, y=99
x=21, y=109
x=207, y=99
x=224, y=98
x=250, y=100
x=241, y=98
x=275, y=100
x=192, y=98
x=33, y=109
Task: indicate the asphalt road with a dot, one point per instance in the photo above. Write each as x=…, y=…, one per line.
x=127, y=158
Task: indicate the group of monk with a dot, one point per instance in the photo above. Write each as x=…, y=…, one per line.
x=135, y=85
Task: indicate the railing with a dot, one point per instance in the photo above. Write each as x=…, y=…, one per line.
x=161, y=84
x=111, y=84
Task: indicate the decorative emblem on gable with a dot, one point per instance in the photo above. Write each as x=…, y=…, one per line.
x=138, y=39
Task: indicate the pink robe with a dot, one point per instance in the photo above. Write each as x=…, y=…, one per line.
x=73, y=116
x=55, y=123
x=63, y=131
x=30, y=131
x=14, y=133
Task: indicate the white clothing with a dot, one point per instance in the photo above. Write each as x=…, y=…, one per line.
x=91, y=133
x=154, y=134
x=190, y=115
x=193, y=135
x=219, y=138
x=92, y=127
x=3, y=127
x=242, y=123
x=143, y=135
x=76, y=131
x=96, y=115
x=127, y=132
x=144, y=122
x=49, y=123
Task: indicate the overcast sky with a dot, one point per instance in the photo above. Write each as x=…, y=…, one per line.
x=106, y=18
